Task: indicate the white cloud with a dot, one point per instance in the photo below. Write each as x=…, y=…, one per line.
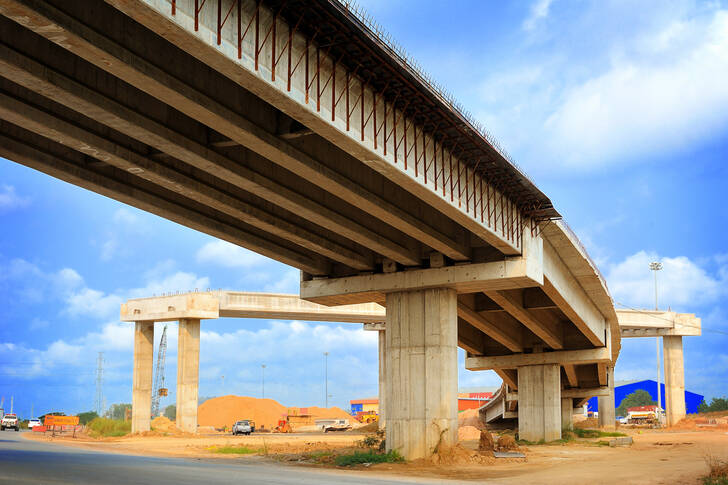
x=681, y=283
x=227, y=255
x=9, y=199
x=95, y=303
x=539, y=10
x=289, y=282
x=125, y=216
x=638, y=107
x=179, y=281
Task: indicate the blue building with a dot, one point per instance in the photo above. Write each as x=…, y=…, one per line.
x=623, y=389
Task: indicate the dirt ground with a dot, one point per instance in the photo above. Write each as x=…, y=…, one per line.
x=656, y=457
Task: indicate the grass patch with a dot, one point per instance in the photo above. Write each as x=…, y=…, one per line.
x=233, y=450
x=715, y=481
x=718, y=471
x=595, y=433
x=104, y=427
x=359, y=458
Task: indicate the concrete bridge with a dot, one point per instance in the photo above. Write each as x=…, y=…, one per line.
x=292, y=129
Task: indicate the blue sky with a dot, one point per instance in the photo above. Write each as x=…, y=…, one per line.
x=619, y=114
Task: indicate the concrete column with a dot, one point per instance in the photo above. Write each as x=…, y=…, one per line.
x=567, y=413
x=672, y=349
x=141, y=396
x=421, y=371
x=539, y=402
x=606, y=404
x=188, y=373
x=382, y=377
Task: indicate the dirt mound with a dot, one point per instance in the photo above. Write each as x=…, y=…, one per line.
x=162, y=423
x=470, y=417
x=717, y=420
x=486, y=441
x=587, y=423
x=468, y=433
x=507, y=442
x=368, y=428
x=458, y=455
x=225, y=410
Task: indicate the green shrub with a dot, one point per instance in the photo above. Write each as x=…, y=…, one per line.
x=104, y=427
x=359, y=458
x=595, y=433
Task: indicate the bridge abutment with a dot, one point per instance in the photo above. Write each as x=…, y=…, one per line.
x=141, y=399
x=188, y=371
x=539, y=402
x=421, y=376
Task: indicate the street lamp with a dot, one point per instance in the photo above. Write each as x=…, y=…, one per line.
x=656, y=266
x=262, y=373
x=326, y=378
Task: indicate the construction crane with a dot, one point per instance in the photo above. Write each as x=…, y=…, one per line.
x=159, y=388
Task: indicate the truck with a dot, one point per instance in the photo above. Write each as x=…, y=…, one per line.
x=242, y=427
x=644, y=415
x=10, y=421
x=327, y=425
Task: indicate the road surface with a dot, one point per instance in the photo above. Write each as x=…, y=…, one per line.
x=32, y=462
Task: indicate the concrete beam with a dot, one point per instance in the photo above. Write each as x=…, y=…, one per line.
x=571, y=377
x=516, y=272
x=566, y=292
x=650, y=323
x=107, y=55
x=374, y=327
x=572, y=393
x=602, y=374
x=171, y=308
x=484, y=323
x=509, y=376
x=588, y=356
x=53, y=128
x=55, y=166
x=63, y=90
x=547, y=329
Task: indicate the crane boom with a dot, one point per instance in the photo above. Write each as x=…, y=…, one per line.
x=159, y=387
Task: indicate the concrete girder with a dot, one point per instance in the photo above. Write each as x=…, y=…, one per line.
x=55, y=166
x=548, y=330
x=63, y=90
x=509, y=376
x=650, y=323
x=51, y=127
x=101, y=51
x=572, y=393
x=571, y=377
x=586, y=356
x=179, y=30
x=566, y=292
x=487, y=324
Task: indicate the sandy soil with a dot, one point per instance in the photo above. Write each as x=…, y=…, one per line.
x=656, y=457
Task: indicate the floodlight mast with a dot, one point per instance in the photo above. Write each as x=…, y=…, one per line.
x=656, y=266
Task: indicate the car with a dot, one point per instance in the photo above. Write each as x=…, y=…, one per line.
x=10, y=421
x=242, y=427
x=32, y=423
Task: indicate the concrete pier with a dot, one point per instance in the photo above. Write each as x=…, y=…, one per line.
x=382, y=373
x=141, y=397
x=539, y=402
x=567, y=413
x=188, y=370
x=421, y=371
x=674, y=379
x=606, y=404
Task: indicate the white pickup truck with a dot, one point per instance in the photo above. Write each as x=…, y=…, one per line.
x=10, y=421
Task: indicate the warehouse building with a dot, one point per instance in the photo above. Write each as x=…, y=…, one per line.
x=624, y=388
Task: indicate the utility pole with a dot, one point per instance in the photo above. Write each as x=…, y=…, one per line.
x=655, y=267
x=262, y=374
x=326, y=378
x=99, y=384
x=12, y=399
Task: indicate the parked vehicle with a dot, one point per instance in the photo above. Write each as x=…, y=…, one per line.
x=32, y=423
x=10, y=421
x=242, y=427
x=327, y=425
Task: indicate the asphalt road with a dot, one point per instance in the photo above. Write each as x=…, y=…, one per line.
x=24, y=461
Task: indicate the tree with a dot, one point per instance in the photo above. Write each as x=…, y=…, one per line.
x=118, y=411
x=84, y=418
x=637, y=398
x=171, y=412
x=716, y=404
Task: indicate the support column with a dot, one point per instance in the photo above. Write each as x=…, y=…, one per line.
x=606, y=404
x=382, y=377
x=672, y=352
x=421, y=371
x=141, y=396
x=188, y=371
x=567, y=413
x=539, y=402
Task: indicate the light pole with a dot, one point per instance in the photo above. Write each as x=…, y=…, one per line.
x=656, y=266
x=326, y=378
x=262, y=371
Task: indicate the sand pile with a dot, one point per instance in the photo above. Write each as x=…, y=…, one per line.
x=468, y=433
x=162, y=423
x=459, y=455
x=470, y=417
x=225, y=410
